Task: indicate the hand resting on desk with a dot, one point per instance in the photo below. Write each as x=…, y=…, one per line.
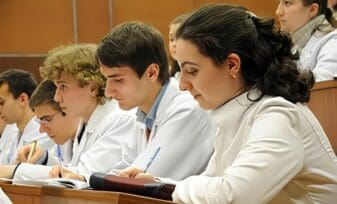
x=55, y=172
x=134, y=172
x=6, y=171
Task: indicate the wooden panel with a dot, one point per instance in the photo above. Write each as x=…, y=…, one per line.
x=92, y=20
x=30, y=27
x=260, y=7
x=323, y=104
x=34, y=26
x=159, y=13
x=31, y=64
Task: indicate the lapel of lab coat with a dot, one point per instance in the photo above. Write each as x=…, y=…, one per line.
x=167, y=97
x=169, y=94
x=89, y=134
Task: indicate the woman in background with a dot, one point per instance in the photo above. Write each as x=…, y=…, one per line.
x=174, y=25
x=313, y=30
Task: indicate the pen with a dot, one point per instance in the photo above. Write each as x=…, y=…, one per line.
x=151, y=160
x=59, y=155
x=32, y=150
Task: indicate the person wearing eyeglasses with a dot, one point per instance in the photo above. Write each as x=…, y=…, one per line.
x=104, y=127
x=16, y=87
x=60, y=127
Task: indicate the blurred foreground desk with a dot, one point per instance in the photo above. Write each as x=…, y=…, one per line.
x=51, y=195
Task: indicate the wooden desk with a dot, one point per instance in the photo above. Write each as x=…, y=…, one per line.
x=53, y=195
x=323, y=103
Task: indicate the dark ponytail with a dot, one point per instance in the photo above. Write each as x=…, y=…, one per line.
x=281, y=76
x=328, y=13
x=266, y=59
x=323, y=9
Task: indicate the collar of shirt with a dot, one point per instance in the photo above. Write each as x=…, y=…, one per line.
x=303, y=35
x=151, y=116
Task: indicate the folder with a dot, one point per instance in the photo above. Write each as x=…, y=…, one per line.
x=106, y=182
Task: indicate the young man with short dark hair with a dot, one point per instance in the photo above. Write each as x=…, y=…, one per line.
x=16, y=87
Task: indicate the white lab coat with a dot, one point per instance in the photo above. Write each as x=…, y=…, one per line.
x=93, y=152
x=182, y=130
x=7, y=138
x=67, y=153
x=270, y=151
x=320, y=55
x=30, y=133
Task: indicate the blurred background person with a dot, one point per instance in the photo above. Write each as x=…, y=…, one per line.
x=174, y=25
x=313, y=31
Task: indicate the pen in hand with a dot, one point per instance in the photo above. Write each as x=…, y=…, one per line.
x=151, y=159
x=59, y=155
x=32, y=150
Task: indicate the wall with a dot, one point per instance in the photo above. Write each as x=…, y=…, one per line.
x=29, y=28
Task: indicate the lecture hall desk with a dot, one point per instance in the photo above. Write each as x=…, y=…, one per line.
x=52, y=195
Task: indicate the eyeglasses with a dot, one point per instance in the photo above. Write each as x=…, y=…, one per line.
x=45, y=120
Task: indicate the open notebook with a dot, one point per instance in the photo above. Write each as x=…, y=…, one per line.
x=55, y=182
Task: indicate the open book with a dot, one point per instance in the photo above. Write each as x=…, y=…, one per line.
x=56, y=182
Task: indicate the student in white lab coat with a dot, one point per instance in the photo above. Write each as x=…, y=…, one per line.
x=170, y=124
x=16, y=87
x=312, y=27
x=80, y=93
x=2, y=125
x=270, y=147
x=9, y=129
x=60, y=127
x=174, y=25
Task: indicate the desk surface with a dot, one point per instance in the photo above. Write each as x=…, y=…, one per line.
x=50, y=195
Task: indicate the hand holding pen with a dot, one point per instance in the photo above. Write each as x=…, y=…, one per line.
x=32, y=151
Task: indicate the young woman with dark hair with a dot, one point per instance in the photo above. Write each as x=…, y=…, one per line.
x=270, y=148
x=312, y=27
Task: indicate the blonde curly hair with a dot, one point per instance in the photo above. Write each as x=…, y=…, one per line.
x=79, y=61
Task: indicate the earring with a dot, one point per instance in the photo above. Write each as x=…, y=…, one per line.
x=233, y=75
